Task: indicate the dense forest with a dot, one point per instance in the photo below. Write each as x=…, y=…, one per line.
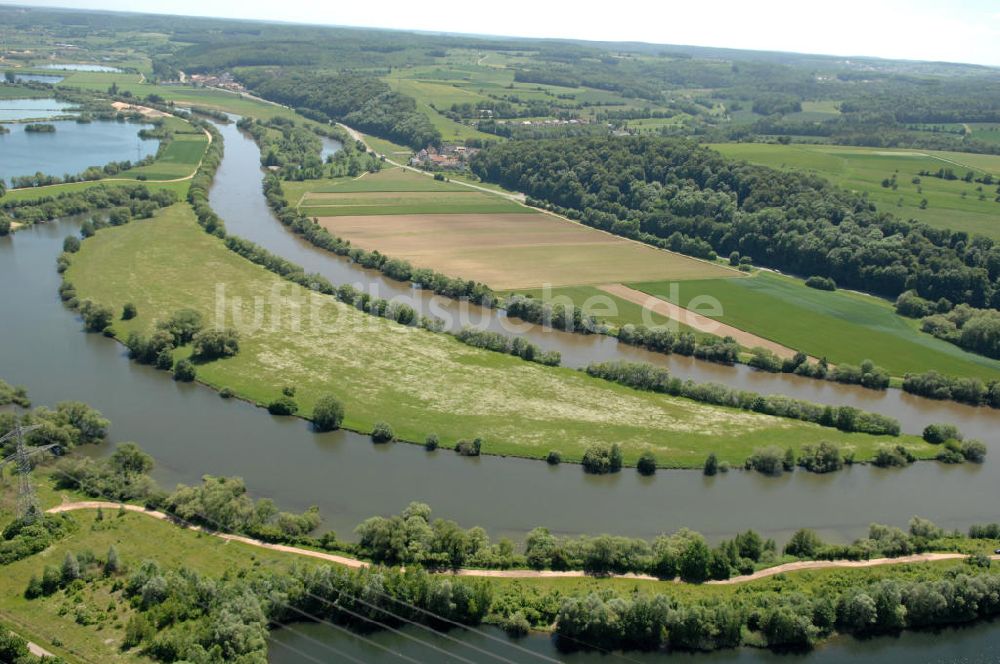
x=674, y=194
x=363, y=102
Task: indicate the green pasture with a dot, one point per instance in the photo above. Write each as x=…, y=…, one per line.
x=371, y=203
x=844, y=327
x=952, y=204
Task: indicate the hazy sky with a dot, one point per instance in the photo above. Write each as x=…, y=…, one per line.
x=955, y=31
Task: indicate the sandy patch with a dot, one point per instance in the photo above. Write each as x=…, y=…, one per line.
x=515, y=250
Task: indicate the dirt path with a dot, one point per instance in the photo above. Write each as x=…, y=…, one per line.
x=511, y=573
x=695, y=320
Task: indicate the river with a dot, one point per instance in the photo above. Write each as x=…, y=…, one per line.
x=974, y=644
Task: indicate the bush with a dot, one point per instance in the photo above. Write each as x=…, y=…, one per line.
x=602, y=458
x=71, y=244
x=182, y=326
x=283, y=406
x=516, y=625
x=767, y=460
x=129, y=311
x=184, y=371
x=974, y=451
x=893, y=456
x=226, y=393
x=554, y=458
x=821, y=283
x=215, y=343
x=711, y=465
x=431, y=442
x=96, y=317
x=469, y=448
x=328, y=413
x=824, y=457
x=939, y=433
x=646, y=464
x=382, y=433
x=805, y=543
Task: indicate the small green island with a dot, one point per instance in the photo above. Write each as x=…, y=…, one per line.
x=40, y=128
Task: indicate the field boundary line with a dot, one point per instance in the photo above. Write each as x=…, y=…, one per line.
x=695, y=320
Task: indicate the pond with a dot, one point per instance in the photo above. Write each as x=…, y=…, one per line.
x=82, y=67
x=71, y=148
x=51, y=79
x=12, y=110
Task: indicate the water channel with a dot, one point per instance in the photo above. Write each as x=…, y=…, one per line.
x=974, y=644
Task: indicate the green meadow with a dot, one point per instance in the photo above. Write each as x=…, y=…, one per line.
x=953, y=204
x=418, y=381
x=841, y=326
x=607, y=308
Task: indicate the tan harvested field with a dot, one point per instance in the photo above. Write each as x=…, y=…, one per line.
x=510, y=251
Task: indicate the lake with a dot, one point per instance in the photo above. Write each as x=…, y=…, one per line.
x=82, y=67
x=71, y=148
x=12, y=110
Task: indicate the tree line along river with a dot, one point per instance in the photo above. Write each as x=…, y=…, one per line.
x=191, y=431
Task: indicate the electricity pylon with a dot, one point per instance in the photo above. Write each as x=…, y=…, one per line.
x=28, y=509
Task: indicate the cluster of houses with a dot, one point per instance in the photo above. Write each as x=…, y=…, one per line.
x=448, y=157
x=224, y=80
x=546, y=122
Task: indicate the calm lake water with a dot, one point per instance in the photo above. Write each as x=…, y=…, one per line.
x=975, y=644
x=12, y=110
x=72, y=148
x=51, y=79
x=78, y=67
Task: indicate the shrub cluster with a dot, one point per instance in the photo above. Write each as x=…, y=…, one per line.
x=517, y=346
x=934, y=385
x=137, y=199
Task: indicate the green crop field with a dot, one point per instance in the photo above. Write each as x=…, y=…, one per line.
x=390, y=179
x=418, y=381
x=841, y=326
x=953, y=204
x=179, y=159
x=607, y=308
x=433, y=97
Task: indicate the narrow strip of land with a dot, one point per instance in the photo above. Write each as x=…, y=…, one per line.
x=695, y=320
x=512, y=573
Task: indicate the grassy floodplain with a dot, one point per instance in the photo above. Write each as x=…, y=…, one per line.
x=841, y=326
x=419, y=382
x=952, y=204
